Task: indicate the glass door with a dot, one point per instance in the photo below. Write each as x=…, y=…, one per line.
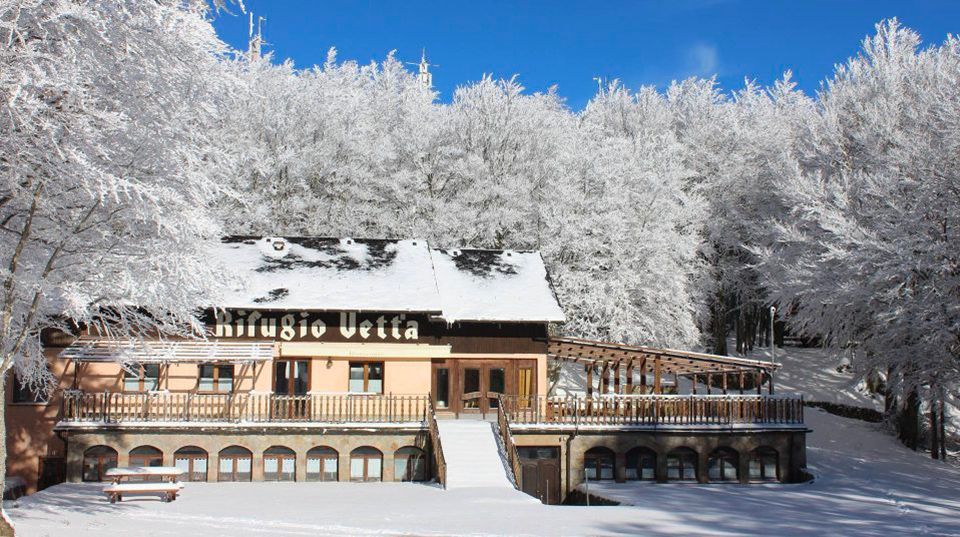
x=472, y=392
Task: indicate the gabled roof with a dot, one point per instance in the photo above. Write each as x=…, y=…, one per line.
x=315, y=273
x=494, y=285
x=332, y=274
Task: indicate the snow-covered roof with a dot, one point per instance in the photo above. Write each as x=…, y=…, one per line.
x=313, y=273
x=331, y=274
x=494, y=285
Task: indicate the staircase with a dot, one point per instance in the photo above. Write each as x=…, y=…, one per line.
x=472, y=455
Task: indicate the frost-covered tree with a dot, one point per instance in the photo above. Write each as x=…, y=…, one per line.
x=868, y=255
x=104, y=150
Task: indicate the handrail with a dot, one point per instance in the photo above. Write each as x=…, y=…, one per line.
x=240, y=407
x=435, y=444
x=509, y=447
x=654, y=410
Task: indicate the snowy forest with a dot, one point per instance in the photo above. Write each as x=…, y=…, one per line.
x=132, y=137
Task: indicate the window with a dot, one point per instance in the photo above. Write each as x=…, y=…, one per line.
x=366, y=377
x=722, y=465
x=193, y=461
x=235, y=464
x=409, y=464
x=524, y=386
x=96, y=461
x=443, y=387
x=24, y=393
x=145, y=456
x=216, y=378
x=279, y=464
x=366, y=464
x=497, y=377
x=323, y=464
x=641, y=464
x=682, y=465
x=598, y=463
x=291, y=377
x=471, y=387
x=764, y=464
x=145, y=378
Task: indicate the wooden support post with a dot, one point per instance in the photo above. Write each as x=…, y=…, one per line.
x=676, y=382
x=724, y=383
x=643, y=376
x=616, y=378
x=605, y=379
x=589, y=380
x=630, y=377
x=694, y=380
x=656, y=375
x=709, y=383
x=741, y=382
x=771, y=380
x=758, y=379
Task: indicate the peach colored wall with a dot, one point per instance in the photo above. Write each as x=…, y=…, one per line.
x=409, y=377
x=30, y=427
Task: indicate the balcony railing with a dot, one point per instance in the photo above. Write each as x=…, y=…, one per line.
x=655, y=410
x=118, y=408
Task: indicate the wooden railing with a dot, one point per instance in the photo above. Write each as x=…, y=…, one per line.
x=503, y=424
x=654, y=410
x=438, y=458
x=241, y=407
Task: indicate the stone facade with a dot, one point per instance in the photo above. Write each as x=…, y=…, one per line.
x=789, y=443
x=256, y=439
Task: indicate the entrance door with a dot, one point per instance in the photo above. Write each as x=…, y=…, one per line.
x=481, y=382
x=540, y=473
x=291, y=379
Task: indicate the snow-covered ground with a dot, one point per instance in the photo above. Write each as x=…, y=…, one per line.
x=868, y=485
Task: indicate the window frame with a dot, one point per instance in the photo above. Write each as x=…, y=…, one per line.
x=757, y=457
x=102, y=456
x=597, y=453
x=280, y=454
x=322, y=454
x=292, y=378
x=215, y=380
x=634, y=472
x=20, y=394
x=192, y=457
x=142, y=379
x=366, y=456
x=681, y=454
x=366, y=365
x=233, y=458
x=717, y=463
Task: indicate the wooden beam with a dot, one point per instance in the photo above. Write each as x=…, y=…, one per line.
x=656, y=375
x=630, y=377
x=590, y=380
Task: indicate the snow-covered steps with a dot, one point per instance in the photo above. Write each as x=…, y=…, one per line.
x=472, y=454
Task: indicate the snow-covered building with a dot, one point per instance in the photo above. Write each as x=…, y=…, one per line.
x=333, y=359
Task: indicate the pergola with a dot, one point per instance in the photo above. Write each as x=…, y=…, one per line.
x=612, y=358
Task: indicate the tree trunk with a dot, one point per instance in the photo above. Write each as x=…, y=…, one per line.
x=909, y=422
x=943, y=428
x=719, y=325
x=6, y=526
x=934, y=430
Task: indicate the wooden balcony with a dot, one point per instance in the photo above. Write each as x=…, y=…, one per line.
x=655, y=410
x=239, y=408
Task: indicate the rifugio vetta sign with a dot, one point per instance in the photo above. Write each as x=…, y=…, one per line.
x=316, y=326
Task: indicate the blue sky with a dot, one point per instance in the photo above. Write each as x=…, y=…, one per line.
x=568, y=44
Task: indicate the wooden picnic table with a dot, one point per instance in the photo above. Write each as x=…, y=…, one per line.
x=168, y=487
x=170, y=474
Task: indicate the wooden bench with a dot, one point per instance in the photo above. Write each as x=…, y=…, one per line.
x=116, y=492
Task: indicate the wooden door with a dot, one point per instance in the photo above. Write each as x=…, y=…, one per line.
x=480, y=382
x=540, y=473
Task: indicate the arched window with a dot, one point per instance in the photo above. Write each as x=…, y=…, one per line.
x=682, y=465
x=366, y=464
x=96, y=461
x=235, y=464
x=764, y=464
x=193, y=461
x=279, y=464
x=323, y=464
x=599, y=463
x=409, y=464
x=145, y=456
x=641, y=464
x=723, y=465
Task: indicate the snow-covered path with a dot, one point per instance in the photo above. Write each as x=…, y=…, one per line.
x=472, y=454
